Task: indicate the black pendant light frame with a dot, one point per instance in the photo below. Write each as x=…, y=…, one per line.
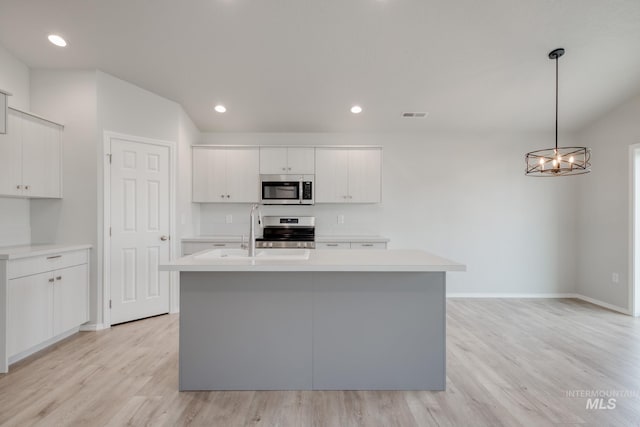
x=558, y=161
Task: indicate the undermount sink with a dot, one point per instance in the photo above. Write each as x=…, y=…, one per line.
x=264, y=254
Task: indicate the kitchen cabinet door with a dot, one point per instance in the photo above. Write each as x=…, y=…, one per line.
x=70, y=295
x=273, y=160
x=209, y=174
x=11, y=156
x=365, y=173
x=29, y=311
x=40, y=158
x=301, y=160
x=243, y=175
x=332, y=174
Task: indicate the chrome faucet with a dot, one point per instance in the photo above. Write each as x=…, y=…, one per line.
x=252, y=228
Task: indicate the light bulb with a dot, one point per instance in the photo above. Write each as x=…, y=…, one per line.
x=356, y=109
x=571, y=159
x=220, y=108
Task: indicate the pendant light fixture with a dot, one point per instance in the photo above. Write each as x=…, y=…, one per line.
x=558, y=161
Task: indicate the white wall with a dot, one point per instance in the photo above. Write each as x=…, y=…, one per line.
x=128, y=109
x=188, y=213
x=460, y=195
x=14, y=213
x=604, y=205
x=69, y=97
x=14, y=78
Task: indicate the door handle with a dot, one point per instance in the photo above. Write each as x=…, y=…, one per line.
x=163, y=238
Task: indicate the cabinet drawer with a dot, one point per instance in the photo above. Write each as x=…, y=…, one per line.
x=369, y=245
x=40, y=264
x=193, y=247
x=333, y=245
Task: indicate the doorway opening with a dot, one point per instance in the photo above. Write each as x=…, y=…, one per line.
x=634, y=288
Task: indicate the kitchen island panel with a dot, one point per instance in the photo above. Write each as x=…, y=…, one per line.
x=379, y=331
x=312, y=330
x=245, y=331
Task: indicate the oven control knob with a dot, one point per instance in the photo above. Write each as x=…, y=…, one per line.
x=299, y=244
x=270, y=244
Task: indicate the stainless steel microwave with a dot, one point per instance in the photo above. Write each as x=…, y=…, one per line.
x=286, y=189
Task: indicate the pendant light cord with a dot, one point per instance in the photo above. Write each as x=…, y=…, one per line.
x=556, y=103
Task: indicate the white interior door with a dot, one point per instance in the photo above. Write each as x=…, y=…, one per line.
x=139, y=230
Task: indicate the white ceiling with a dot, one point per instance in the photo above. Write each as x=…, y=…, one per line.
x=299, y=65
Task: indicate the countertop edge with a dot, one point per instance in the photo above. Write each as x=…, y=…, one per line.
x=318, y=239
x=28, y=251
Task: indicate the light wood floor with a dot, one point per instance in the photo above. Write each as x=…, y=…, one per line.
x=509, y=362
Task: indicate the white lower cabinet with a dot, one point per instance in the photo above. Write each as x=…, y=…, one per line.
x=47, y=298
x=30, y=312
x=189, y=248
x=346, y=244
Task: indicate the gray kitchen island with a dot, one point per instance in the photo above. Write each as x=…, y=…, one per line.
x=337, y=320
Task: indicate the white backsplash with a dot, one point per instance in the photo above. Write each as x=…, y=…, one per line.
x=358, y=219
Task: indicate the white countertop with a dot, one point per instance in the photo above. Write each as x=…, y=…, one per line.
x=335, y=260
x=16, y=252
x=320, y=239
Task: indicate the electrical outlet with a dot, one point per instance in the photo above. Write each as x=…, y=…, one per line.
x=229, y=219
x=615, y=278
x=340, y=219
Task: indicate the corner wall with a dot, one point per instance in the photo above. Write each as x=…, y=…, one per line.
x=604, y=206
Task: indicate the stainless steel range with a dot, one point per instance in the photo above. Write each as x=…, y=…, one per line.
x=288, y=232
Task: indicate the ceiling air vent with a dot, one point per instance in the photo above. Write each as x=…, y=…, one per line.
x=414, y=115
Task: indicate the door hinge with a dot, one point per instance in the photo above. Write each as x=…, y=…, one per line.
x=109, y=304
x=109, y=156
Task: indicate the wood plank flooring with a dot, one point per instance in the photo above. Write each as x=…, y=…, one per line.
x=509, y=362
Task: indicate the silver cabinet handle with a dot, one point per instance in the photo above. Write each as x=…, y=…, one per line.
x=19, y=187
x=228, y=196
x=59, y=278
x=51, y=280
x=288, y=168
x=54, y=257
x=367, y=244
x=332, y=244
x=163, y=238
x=219, y=244
x=222, y=196
x=284, y=169
x=27, y=187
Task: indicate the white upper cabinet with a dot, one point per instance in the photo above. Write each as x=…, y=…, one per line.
x=287, y=160
x=30, y=157
x=11, y=157
x=225, y=174
x=348, y=175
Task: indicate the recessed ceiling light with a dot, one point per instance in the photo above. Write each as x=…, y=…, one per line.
x=220, y=108
x=57, y=40
x=356, y=109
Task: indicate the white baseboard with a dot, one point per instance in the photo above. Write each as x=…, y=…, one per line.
x=540, y=295
x=17, y=357
x=92, y=327
x=507, y=295
x=603, y=304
